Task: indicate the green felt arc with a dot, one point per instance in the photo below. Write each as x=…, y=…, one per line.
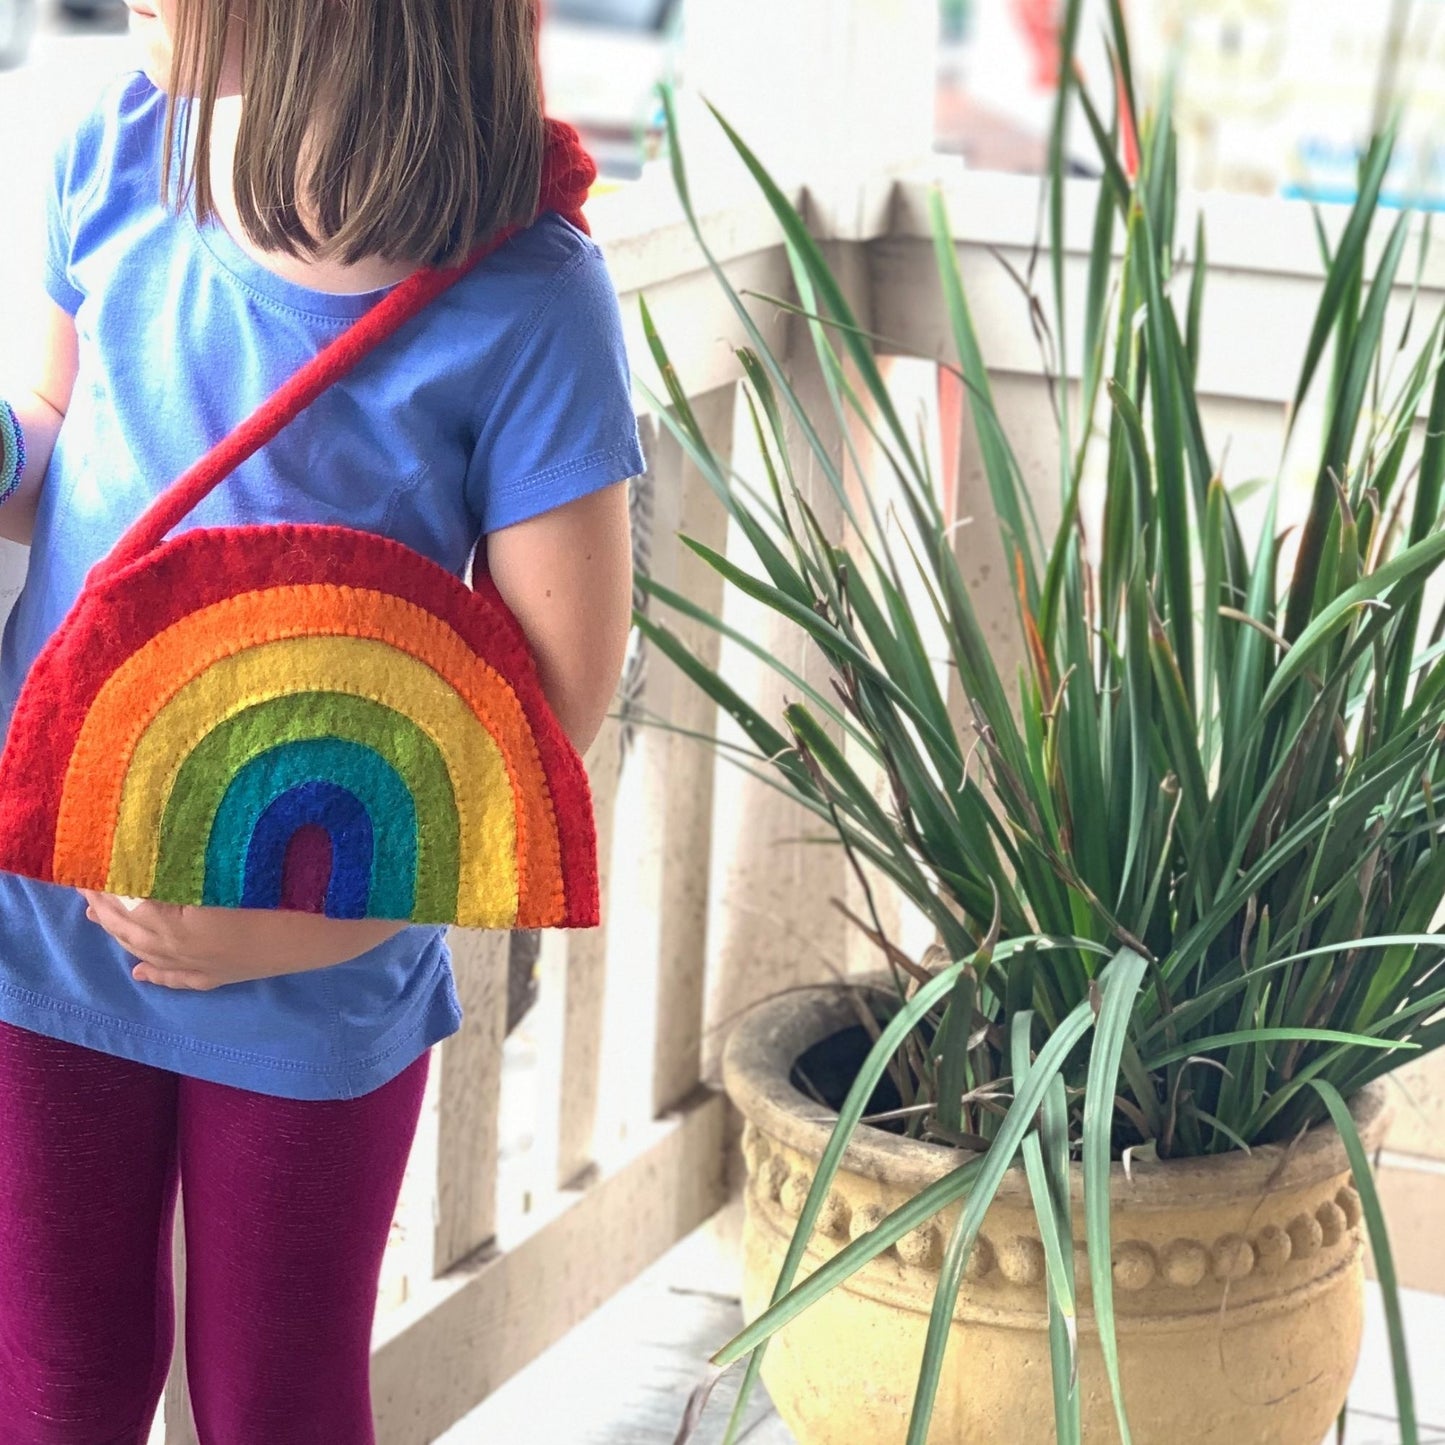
x=360, y=771
x=202, y=780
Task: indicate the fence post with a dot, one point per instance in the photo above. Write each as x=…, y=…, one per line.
x=819, y=89
x=835, y=97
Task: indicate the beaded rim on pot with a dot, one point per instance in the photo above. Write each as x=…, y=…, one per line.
x=1018, y=1259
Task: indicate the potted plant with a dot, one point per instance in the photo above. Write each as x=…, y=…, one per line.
x=1183, y=880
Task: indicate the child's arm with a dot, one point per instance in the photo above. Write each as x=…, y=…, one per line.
x=39, y=404
x=567, y=575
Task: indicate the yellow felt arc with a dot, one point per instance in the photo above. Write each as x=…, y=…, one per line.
x=362, y=667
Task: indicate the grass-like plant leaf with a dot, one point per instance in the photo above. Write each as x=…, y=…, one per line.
x=1384, y=1258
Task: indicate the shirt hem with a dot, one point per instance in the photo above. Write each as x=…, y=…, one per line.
x=546, y=490
x=436, y=1017
x=60, y=291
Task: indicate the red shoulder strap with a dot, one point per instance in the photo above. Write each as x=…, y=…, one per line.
x=568, y=171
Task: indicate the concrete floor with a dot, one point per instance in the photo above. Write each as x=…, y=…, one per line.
x=623, y=1376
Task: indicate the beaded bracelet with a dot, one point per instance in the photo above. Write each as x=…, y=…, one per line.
x=12, y=451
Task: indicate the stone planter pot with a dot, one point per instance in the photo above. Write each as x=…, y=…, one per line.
x=1238, y=1279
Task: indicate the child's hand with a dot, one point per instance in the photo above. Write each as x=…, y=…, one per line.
x=203, y=948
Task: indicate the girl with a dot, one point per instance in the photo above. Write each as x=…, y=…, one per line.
x=277, y=166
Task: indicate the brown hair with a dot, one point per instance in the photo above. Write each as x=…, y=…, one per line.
x=412, y=128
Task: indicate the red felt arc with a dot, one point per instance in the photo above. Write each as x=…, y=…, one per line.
x=208, y=565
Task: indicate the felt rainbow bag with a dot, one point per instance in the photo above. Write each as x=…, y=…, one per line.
x=302, y=716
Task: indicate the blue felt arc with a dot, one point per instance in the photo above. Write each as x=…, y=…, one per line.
x=349, y=766
x=343, y=815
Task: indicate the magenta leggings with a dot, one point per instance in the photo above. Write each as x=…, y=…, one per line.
x=287, y=1203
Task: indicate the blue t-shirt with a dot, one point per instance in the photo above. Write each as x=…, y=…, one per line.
x=506, y=397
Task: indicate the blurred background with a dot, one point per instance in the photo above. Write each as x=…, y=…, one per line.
x=1274, y=96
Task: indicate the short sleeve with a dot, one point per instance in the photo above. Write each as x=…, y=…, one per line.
x=560, y=422
x=62, y=289
x=82, y=209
